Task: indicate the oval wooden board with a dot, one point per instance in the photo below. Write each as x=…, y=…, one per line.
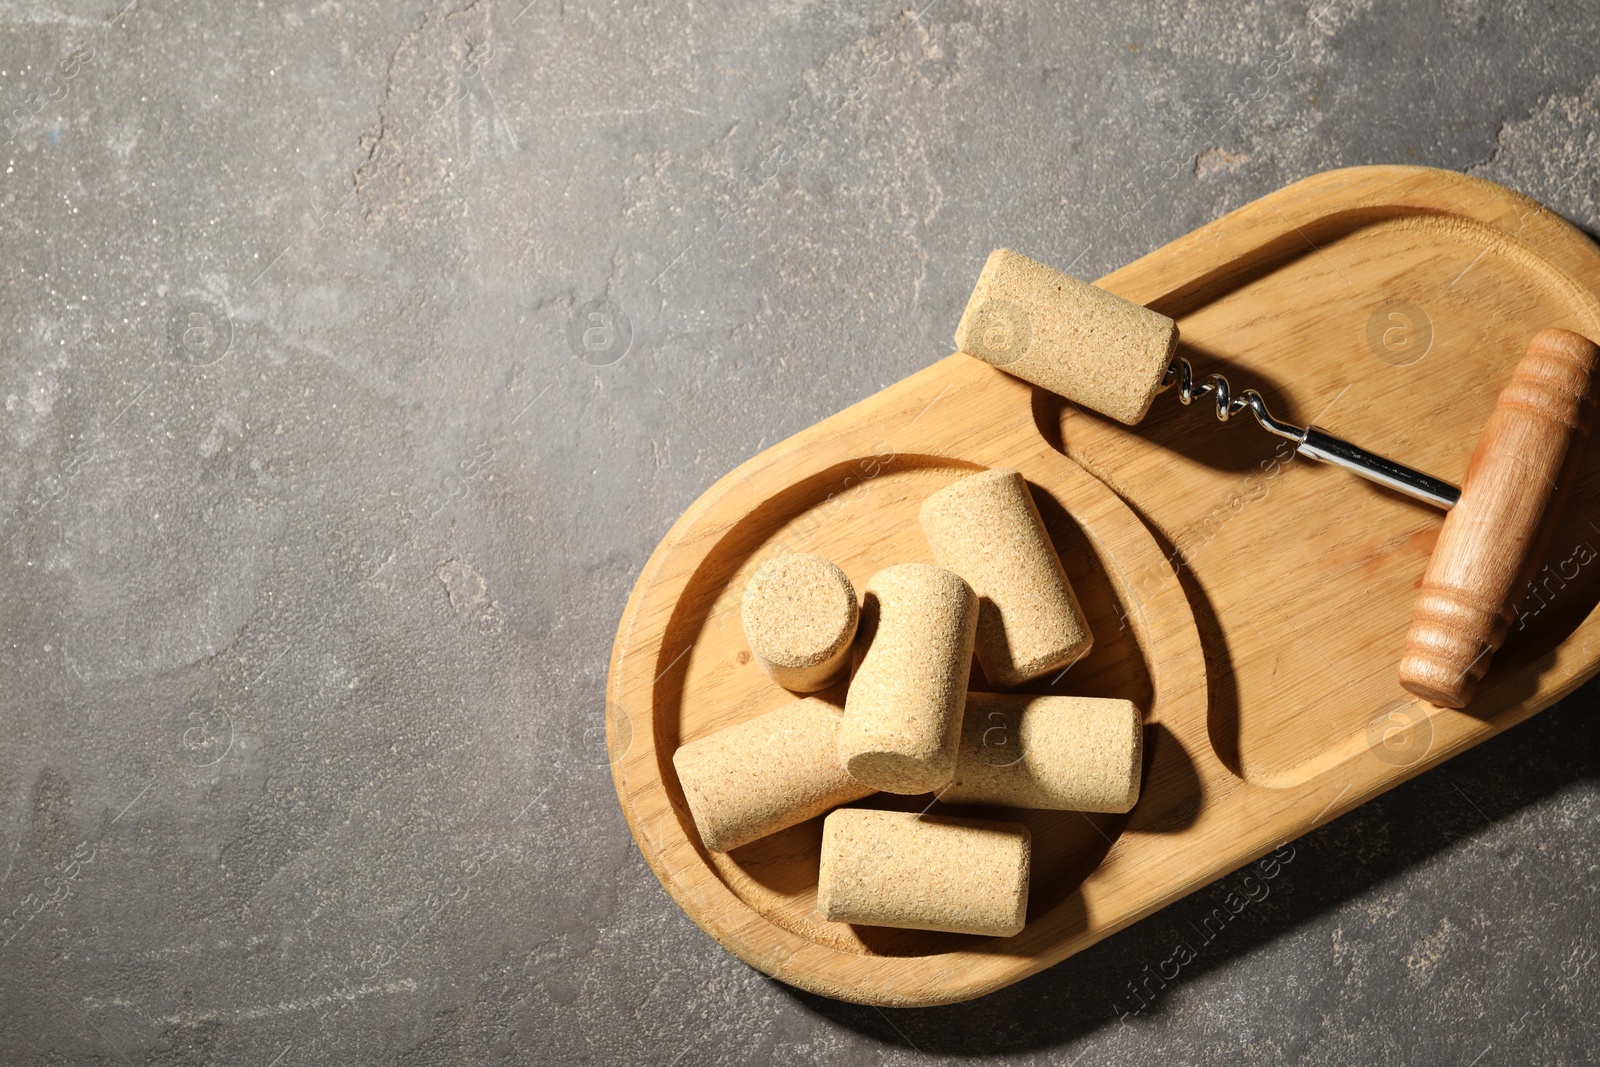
x=1253, y=606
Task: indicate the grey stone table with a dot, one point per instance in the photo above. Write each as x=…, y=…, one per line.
x=356, y=355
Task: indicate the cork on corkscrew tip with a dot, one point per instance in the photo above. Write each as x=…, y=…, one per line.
x=1067, y=336
x=1494, y=539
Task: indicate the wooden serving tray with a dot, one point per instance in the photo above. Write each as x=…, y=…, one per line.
x=1388, y=305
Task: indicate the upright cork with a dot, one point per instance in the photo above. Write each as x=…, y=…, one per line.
x=902, y=715
x=1069, y=753
x=987, y=529
x=1067, y=336
x=764, y=775
x=924, y=872
x=800, y=617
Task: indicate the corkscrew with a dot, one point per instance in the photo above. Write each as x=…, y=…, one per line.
x=1309, y=441
x=1112, y=356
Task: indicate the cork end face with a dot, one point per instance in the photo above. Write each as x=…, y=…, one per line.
x=995, y=330
x=1067, y=336
x=895, y=772
x=800, y=615
x=1007, y=674
x=1135, y=762
x=714, y=843
x=918, y=579
x=1150, y=371
x=1023, y=858
x=686, y=762
x=956, y=499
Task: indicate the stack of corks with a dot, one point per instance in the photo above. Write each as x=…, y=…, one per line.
x=909, y=724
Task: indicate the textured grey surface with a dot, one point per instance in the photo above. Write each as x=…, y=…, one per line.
x=319, y=512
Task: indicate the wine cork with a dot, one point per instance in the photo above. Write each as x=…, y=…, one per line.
x=1072, y=753
x=987, y=529
x=924, y=872
x=902, y=714
x=764, y=775
x=800, y=616
x=1067, y=336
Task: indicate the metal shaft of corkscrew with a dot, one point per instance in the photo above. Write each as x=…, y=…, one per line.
x=1310, y=441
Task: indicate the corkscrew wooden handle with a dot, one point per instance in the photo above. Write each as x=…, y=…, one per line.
x=1495, y=536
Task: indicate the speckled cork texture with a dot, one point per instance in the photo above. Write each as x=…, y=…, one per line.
x=1067, y=336
x=987, y=529
x=765, y=775
x=800, y=616
x=902, y=714
x=924, y=872
x=1065, y=752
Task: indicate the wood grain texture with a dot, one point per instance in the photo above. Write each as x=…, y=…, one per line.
x=1496, y=535
x=1254, y=607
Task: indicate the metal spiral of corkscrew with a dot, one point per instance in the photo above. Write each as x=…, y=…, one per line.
x=1181, y=372
x=1308, y=440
